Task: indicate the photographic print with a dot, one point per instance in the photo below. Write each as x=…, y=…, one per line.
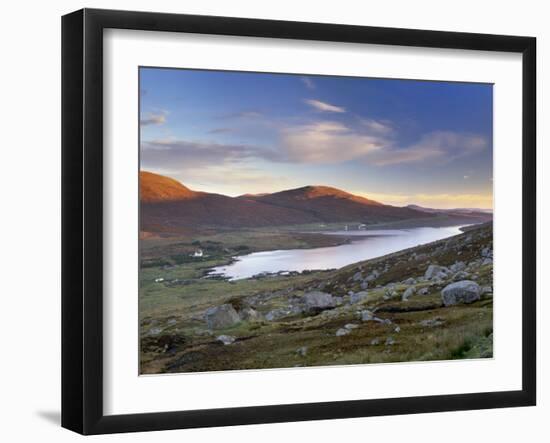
x=291, y=220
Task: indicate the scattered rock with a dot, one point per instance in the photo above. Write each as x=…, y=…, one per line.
x=249, y=314
x=461, y=275
x=487, y=261
x=367, y=316
x=351, y=326
x=302, y=352
x=318, y=301
x=409, y=292
x=431, y=323
x=397, y=329
x=435, y=271
x=358, y=297
x=375, y=342
x=155, y=331
x=357, y=276
x=364, y=285
x=373, y=276
x=279, y=313
x=486, y=290
x=226, y=339
x=342, y=331
x=389, y=341
x=389, y=292
x=409, y=281
x=457, y=266
x=222, y=316
x=465, y=291
x=423, y=291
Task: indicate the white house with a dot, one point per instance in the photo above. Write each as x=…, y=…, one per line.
x=197, y=253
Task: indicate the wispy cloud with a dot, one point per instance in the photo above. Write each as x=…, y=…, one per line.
x=151, y=118
x=327, y=142
x=247, y=114
x=220, y=130
x=441, y=146
x=319, y=142
x=165, y=153
x=308, y=82
x=377, y=126
x=323, y=106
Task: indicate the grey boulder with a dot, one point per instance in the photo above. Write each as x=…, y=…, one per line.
x=457, y=266
x=409, y=292
x=373, y=276
x=342, y=331
x=222, y=316
x=226, y=339
x=460, y=275
x=302, y=352
x=358, y=297
x=435, y=271
x=249, y=314
x=367, y=316
x=279, y=313
x=465, y=291
x=318, y=301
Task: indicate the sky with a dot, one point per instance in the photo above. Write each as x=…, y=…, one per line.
x=396, y=141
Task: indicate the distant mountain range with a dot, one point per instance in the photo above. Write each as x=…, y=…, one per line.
x=169, y=206
x=461, y=211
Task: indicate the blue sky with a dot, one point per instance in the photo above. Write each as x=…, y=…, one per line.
x=396, y=141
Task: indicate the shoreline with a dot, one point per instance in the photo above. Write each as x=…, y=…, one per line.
x=350, y=239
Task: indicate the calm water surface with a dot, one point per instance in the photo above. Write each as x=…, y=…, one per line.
x=369, y=244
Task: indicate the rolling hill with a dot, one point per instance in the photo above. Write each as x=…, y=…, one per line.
x=328, y=204
x=156, y=188
x=170, y=207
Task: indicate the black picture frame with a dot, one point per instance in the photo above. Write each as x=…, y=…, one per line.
x=82, y=218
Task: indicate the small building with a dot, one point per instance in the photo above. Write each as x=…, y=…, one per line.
x=197, y=253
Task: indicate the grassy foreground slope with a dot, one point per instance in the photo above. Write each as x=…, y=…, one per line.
x=398, y=317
